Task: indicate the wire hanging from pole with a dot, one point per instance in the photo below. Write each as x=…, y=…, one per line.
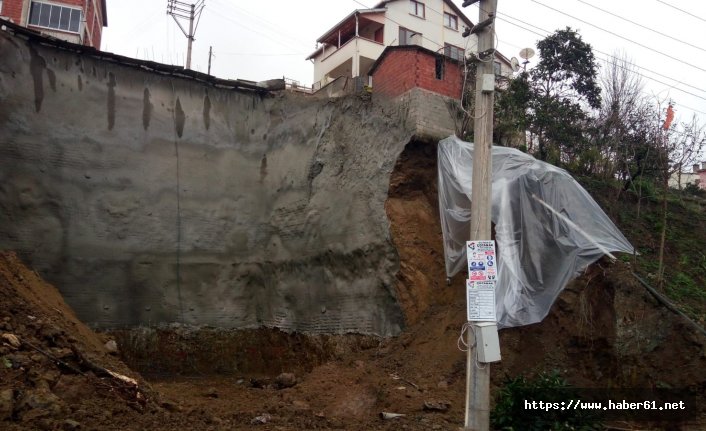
x=178, y=9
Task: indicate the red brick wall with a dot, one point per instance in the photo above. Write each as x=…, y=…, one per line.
x=13, y=10
x=396, y=74
x=402, y=70
x=449, y=85
x=94, y=23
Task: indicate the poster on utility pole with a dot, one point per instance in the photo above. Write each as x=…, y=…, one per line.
x=480, y=286
x=481, y=260
x=480, y=299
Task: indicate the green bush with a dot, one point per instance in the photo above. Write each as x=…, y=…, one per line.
x=683, y=286
x=693, y=189
x=644, y=187
x=510, y=413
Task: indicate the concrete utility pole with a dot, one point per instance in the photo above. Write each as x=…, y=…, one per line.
x=210, y=54
x=178, y=9
x=478, y=378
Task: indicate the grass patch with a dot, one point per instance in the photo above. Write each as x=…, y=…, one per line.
x=682, y=287
x=510, y=412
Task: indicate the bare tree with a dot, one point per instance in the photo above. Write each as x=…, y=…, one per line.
x=689, y=140
x=622, y=132
x=681, y=143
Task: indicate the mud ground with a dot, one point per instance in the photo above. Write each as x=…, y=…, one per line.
x=604, y=331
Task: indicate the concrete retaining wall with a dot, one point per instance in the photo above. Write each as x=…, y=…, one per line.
x=152, y=199
x=432, y=116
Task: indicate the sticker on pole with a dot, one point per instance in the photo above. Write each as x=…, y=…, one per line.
x=482, y=265
x=480, y=301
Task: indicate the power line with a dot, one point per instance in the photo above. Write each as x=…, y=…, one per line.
x=608, y=55
x=659, y=82
x=260, y=54
x=387, y=17
x=272, y=26
x=132, y=34
x=682, y=10
x=477, y=4
x=178, y=9
x=621, y=37
x=642, y=26
x=265, y=35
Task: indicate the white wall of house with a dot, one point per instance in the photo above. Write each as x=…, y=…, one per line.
x=432, y=28
x=333, y=58
x=69, y=37
x=677, y=182
x=352, y=58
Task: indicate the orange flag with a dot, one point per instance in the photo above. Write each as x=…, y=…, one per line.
x=669, y=119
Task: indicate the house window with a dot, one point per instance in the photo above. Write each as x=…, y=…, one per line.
x=379, y=35
x=496, y=68
x=450, y=21
x=407, y=36
x=0, y=7
x=416, y=8
x=56, y=17
x=439, y=67
x=453, y=51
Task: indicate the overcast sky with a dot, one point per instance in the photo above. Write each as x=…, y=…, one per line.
x=264, y=39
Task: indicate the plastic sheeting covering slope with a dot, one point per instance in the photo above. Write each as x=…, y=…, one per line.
x=539, y=250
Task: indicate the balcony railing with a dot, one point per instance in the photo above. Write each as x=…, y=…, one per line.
x=367, y=48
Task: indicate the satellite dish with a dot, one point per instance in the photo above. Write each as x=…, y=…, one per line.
x=527, y=53
x=515, y=64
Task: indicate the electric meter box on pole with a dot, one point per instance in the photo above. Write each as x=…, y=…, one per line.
x=487, y=342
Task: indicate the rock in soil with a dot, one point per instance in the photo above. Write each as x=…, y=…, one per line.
x=285, y=380
x=12, y=340
x=259, y=383
x=261, y=420
x=437, y=406
x=70, y=425
x=38, y=403
x=112, y=347
x=7, y=403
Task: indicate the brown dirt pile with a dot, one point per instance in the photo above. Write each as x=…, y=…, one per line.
x=55, y=373
x=54, y=377
x=604, y=331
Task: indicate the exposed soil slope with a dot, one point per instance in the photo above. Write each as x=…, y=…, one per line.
x=55, y=371
x=604, y=331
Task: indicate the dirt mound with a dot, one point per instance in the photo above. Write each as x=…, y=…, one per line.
x=55, y=373
x=52, y=364
x=604, y=331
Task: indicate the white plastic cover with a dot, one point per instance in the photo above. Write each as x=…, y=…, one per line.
x=547, y=227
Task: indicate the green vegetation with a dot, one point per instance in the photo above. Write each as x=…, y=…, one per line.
x=640, y=220
x=682, y=287
x=510, y=412
x=623, y=145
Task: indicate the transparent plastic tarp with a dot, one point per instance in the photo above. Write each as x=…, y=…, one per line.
x=547, y=227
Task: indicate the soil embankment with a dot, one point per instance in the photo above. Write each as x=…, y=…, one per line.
x=604, y=331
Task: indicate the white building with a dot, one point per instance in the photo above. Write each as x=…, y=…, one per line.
x=351, y=47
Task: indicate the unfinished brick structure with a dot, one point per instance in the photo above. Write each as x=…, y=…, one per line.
x=402, y=68
x=77, y=21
